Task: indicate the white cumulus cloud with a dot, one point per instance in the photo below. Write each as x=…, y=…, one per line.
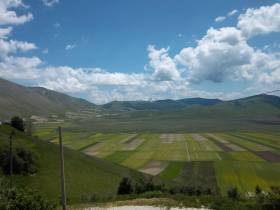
x=5, y=32
x=22, y=68
x=163, y=66
x=9, y=16
x=263, y=20
x=13, y=46
x=221, y=54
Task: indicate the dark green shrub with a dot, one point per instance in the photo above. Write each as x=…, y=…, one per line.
x=233, y=193
x=23, y=161
x=258, y=190
x=17, y=123
x=125, y=187
x=24, y=199
x=147, y=185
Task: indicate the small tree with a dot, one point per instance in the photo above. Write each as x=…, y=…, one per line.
x=125, y=187
x=233, y=193
x=258, y=190
x=17, y=123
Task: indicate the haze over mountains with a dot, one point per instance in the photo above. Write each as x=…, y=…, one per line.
x=26, y=101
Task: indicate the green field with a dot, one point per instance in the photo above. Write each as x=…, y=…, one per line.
x=85, y=176
x=193, y=159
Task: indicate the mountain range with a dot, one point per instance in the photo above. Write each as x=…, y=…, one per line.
x=24, y=101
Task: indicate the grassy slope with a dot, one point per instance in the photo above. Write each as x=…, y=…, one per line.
x=84, y=175
x=23, y=101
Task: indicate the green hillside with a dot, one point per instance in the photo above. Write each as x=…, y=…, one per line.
x=167, y=104
x=24, y=101
x=260, y=112
x=85, y=176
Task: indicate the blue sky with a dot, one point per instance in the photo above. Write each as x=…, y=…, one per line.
x=105, y=50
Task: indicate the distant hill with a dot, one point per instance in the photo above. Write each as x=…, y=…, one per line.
x=63, y=100
x=255, y=113
x=24, y=101
x=167, y=104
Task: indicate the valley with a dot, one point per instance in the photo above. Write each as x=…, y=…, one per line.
x=202, y=160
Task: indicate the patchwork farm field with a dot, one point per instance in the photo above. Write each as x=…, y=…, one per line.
x=201, y=160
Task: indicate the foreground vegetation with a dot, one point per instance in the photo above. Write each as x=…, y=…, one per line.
x=22, y=199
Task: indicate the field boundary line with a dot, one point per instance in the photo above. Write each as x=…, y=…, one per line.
x=253, y=151
x=89, y=145
x=187, y=150
x=249, y=138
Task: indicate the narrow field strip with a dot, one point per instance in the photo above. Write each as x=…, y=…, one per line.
x=95, y=149
x=245, y=156
x=199, y=150
x=268, y=156
x=171, y=138
x=174, y=151
x=225, y=145
x=128, y=139
x=248, y=145
x=270, y=138
x=235, y=147
x=119, y=156
x=198, y=174
x=132, y=144
x=187, y=151
x=217, y=138
x=260, y=146
x=172, y=170
x=262, y=152
x=204, y=143
x=246, y=175
x=112, y=144
x=88, y=146
x=154, y=167
x=198, y=137
x=138, y=159
x=269, y=143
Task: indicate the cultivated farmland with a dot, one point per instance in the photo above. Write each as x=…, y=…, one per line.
x=214, y=161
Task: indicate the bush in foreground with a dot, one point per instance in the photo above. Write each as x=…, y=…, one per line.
x=24, y=199
x=23, y=161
